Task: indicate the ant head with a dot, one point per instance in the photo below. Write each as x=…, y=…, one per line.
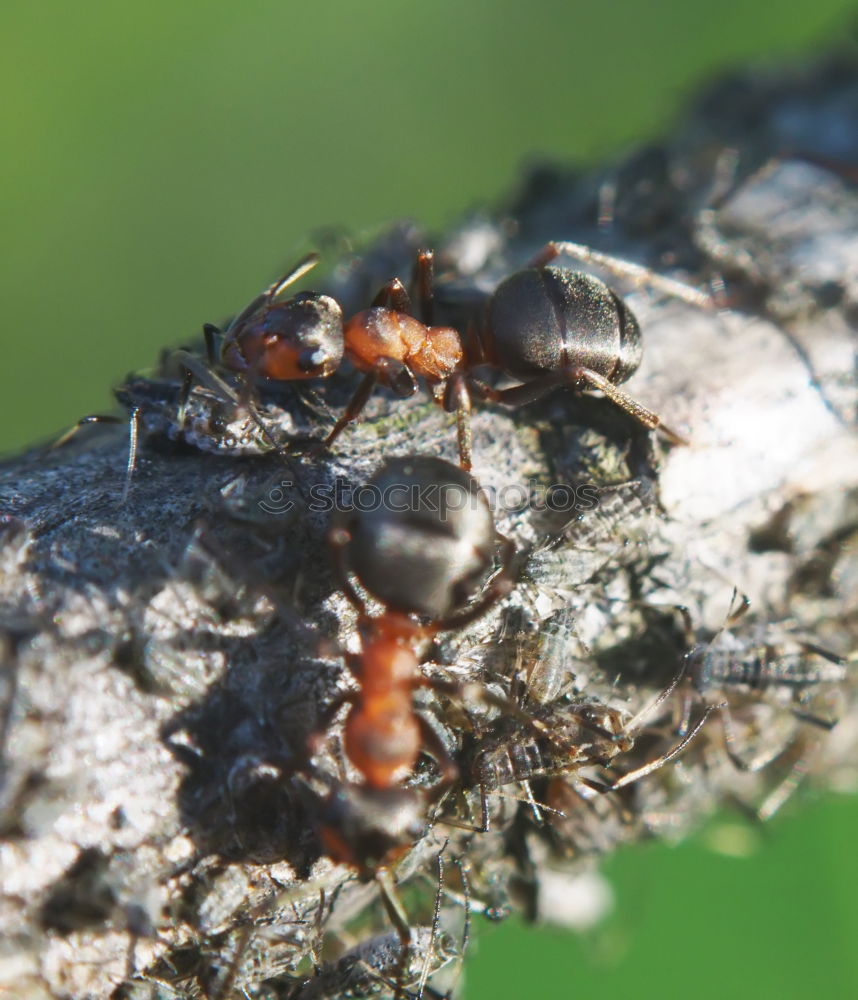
x=370, y=828
x=545, y=319
x=299, y=338
x=424, y=542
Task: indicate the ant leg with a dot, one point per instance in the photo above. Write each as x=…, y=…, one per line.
x=636, y=274
x=354, y=407
x=457, y=396
x=449, y=769
x=338, y=539
x=424, y=282
x=626, y=402
x=496, y=589
x=390, y=372
x=393, y=905
x=393, y=295
x=517, y=395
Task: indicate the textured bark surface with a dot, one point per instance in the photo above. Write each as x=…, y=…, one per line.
x=164, y=663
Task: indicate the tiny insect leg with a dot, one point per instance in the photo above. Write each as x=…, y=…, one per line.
x=133, y=441
x=665, y=758
x=399, y=919
x=436, y=920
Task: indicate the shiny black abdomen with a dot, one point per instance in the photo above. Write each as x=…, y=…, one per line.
x=546, y=320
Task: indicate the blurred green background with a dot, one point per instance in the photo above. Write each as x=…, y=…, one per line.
x=162, y=161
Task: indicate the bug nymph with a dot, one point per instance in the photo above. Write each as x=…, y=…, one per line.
x=561, y=738
x=764, y=675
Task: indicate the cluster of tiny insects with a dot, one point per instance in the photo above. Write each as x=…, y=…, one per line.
x=410, y=576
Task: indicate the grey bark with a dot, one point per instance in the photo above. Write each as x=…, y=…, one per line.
x=163, y=661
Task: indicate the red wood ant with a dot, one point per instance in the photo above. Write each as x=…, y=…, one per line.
x=417, y=558
x=423, y=552
x=547, y=326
